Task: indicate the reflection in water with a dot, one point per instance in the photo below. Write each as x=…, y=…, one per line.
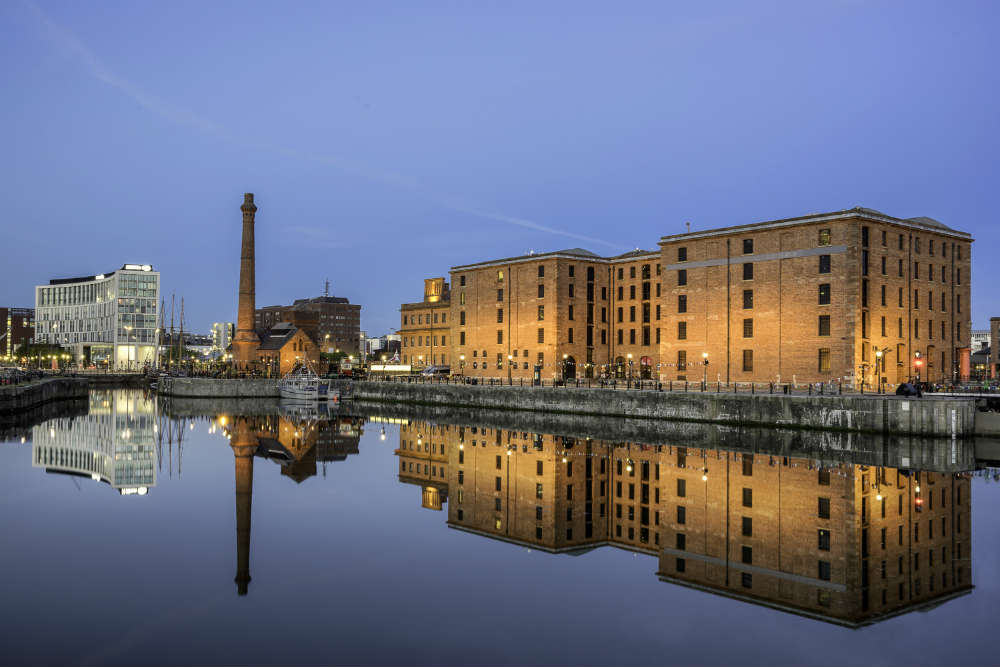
x=296, y=443
x=114, y=443
x=840, y=542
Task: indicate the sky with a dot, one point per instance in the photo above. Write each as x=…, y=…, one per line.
x=387, y=142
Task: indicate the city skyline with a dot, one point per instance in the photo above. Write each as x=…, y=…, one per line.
x=425, y=139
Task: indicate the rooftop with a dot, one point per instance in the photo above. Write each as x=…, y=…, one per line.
x=922, y=222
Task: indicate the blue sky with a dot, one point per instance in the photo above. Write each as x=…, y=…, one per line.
x=386, y=142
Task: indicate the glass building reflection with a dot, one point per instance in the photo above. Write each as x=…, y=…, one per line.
x=113, y=443
x=839, y=542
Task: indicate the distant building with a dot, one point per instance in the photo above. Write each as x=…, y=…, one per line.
x=17, y=327
x=222, y=335
x=109, y=319
x=191, y=342
x=980, y=339
x=425, y=331
x=995, y=347
x=333, y=321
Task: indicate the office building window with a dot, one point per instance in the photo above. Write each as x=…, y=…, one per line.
x=824, y=263
x=748, y=271
x=747, y=246
x=748, y=328
x=682, y=277
x=682, y=331
x=824, y=325
x=824, y=294
x=682, y=303
x=747, y=299
x=747, y=360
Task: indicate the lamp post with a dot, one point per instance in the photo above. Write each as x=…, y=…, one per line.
x=509, y=360
x=565, y=357
x=704, y=375
x=629, y=355
x=917, y=363
x=461, y=364
x=878, y=369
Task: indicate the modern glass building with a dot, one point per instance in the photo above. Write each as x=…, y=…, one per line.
x=107, y=320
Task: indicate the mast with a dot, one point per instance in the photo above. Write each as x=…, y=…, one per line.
x=180, y=342
x=171, y=361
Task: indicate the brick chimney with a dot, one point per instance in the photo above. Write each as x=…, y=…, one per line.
x=245, y=342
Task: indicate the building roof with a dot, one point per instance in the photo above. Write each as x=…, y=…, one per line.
x=101, y=276
x=321, y=299
x=569, y=253
x=277, y=336
x=925, y=223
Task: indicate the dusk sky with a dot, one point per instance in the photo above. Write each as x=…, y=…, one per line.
x=386, y=142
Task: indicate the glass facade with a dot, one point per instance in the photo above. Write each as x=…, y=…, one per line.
x=109, y=319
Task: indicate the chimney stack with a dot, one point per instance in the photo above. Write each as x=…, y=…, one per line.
x=246, y=341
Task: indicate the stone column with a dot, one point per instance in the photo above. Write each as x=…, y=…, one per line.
x=246, y=341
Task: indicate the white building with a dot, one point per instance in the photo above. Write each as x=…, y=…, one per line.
x=980, y=339
x=222, y=335
x=107, y=320
x=114, y=443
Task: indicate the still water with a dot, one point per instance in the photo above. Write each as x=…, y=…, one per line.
x=142, y=532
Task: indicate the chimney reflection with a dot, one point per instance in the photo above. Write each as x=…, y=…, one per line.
x=294, y=443
x=841, y=542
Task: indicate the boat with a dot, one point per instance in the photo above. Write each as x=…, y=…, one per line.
x=303, y=384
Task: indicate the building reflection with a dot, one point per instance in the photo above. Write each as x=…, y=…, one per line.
x=113, y=443
x=838, y=542
x=296, y=443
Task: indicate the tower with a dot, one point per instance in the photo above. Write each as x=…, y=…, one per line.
x=246, y=341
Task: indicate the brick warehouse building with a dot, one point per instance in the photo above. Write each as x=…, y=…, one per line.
x=425, y=330
x=333, y=321
x=850, y=295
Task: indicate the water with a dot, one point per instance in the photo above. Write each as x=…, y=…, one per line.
x=197, y=535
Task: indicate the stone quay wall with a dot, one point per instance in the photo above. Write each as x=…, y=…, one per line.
x=927, y=417
x=23, y=397
x=218, y=388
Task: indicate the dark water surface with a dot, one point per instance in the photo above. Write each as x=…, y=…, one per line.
x=144, y=533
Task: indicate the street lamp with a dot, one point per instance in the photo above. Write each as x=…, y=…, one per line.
x=704, y=375
x=565, y=357
x=917, y=363
x=509, y=359
x=461, y=363
x=629, y=366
